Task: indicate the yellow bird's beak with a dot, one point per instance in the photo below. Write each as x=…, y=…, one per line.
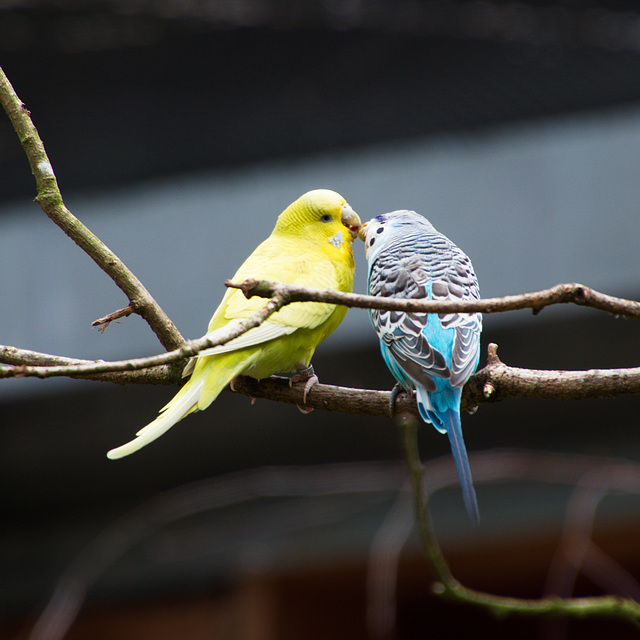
x=350, y=219
x=361, y=230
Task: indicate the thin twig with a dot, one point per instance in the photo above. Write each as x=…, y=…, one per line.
x=104, y=322
x=536, y=301
x=159, y=374
x=187, y=350
x=50, y=199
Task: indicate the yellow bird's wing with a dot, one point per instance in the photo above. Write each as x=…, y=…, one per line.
x=278, y=261
x=266, y=331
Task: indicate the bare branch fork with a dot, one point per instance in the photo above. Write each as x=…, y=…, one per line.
x=188, y=349
x=50, y=199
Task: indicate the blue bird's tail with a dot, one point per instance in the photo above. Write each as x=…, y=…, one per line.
x=459, y=451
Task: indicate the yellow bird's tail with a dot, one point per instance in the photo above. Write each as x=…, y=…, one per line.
x=210, y=376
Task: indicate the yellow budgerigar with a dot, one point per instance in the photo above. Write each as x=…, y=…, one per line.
x=310, y=246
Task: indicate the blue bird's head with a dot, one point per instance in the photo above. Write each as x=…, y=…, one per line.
x=389, y=226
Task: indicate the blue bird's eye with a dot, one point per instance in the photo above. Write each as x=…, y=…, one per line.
x=326, y=218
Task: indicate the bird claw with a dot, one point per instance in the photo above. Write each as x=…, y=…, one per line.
x=311, y=382
x=304, y=410
x=308, y=375
x=395, y=392
x=232, y=386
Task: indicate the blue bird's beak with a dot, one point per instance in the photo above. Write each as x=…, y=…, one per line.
x=361, y=231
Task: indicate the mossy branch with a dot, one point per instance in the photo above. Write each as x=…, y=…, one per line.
x=449, y=588
x=50, y=199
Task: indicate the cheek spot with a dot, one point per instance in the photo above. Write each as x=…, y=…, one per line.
x=371, y=242
x=337, y=239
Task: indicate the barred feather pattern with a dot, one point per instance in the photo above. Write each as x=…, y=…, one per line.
x=435, y=354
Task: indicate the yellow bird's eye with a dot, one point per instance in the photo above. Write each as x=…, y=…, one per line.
x=327, y=217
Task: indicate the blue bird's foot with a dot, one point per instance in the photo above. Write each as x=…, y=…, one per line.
x=395, y=392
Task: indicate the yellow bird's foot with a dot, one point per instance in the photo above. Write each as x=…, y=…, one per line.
x=311, y=382
x=309, y=377
x=232, y=386
x=303, y=374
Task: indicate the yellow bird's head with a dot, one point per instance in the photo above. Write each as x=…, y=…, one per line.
x=322, y=214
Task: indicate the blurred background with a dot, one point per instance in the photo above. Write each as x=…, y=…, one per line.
x=178, y=130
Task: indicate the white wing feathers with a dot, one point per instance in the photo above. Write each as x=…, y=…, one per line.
x=266, y=331
x=177, y=408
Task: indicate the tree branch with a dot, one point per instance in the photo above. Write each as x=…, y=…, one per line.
x=495, y=382
x=536, y=301
x=50, y=199
x=287, y=483
x=159, y=374
x=188, y=349
x=498, y=381
x=449, y=587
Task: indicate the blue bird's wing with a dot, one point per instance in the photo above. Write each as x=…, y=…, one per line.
x=433, y=353
x=459, y=282
x=426, y=346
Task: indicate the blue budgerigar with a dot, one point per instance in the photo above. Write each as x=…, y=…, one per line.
x=435, y=354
